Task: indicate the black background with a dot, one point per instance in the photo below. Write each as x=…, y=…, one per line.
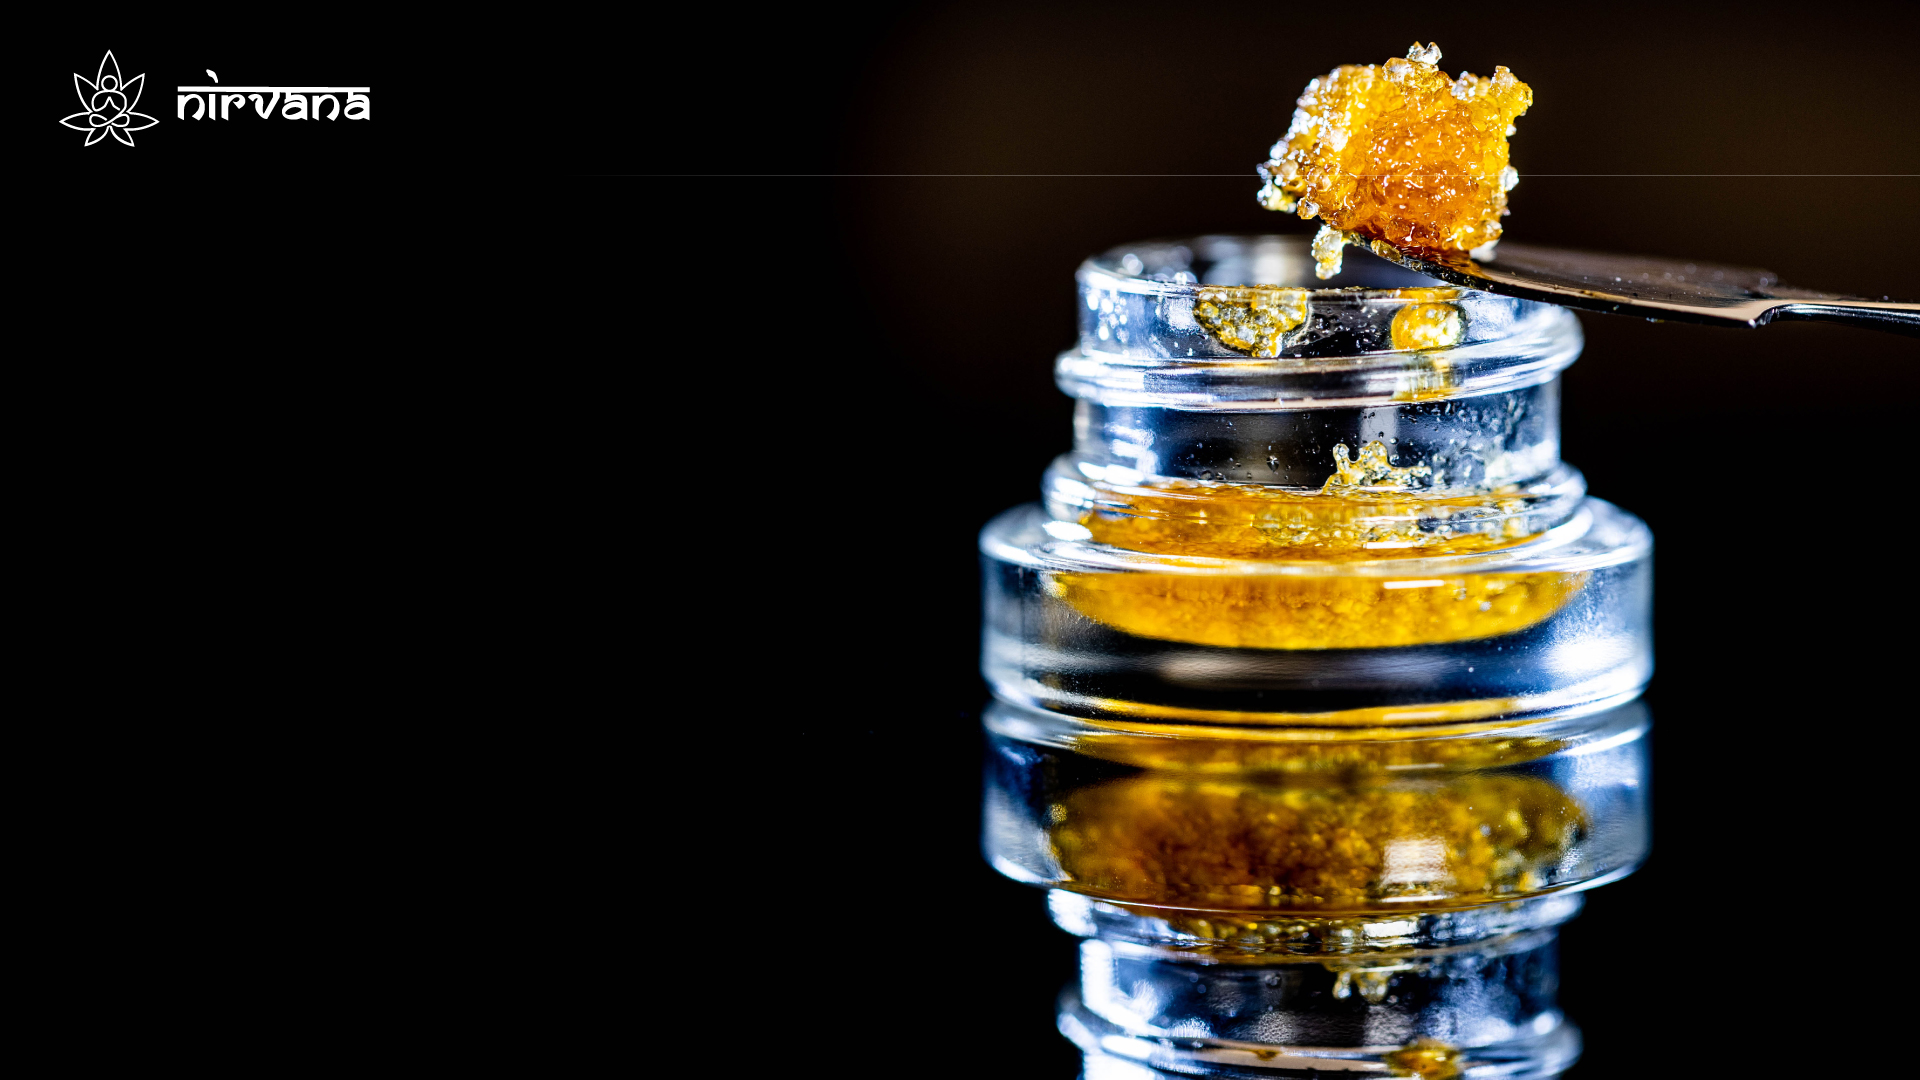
x=870, y=358
x=215, y=243
x=585, y=593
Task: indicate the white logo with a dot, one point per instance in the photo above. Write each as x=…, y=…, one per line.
x=302, y=102
x=109, y=102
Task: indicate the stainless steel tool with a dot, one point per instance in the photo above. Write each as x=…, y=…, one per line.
x=1650, y=287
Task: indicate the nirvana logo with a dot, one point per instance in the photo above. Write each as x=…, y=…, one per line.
x=109, y=99
x=108, y=104
x=302, y=102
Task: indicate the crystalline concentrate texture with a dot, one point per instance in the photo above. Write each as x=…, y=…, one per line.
x=1252, y=319
x=1277, y=612
x=1365, y=512
x=1399, y=152
x=1427, y=326
x=1237, y=844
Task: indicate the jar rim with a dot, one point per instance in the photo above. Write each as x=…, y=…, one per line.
x=1259, y=260
x=1173, y=323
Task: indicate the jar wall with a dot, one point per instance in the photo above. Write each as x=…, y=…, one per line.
x=1524, y=631
x=1468, y=443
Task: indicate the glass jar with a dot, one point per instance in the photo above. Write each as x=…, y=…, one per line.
x=1316, y=672
x=1315, y=525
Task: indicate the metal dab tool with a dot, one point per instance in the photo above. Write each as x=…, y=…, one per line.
x=1651, y=287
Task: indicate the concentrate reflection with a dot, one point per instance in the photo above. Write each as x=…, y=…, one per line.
x=1382, y=905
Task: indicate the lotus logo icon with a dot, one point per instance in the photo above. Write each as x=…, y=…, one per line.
x=109, y=101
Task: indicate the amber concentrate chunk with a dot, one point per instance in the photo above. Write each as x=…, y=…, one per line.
x=1430, y=325
x=1366, y=512
x=1367, y=509
x=1253, y=319
x=1399, y=152
x=1280, y=612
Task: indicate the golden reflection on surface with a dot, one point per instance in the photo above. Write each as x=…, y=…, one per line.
x=1239, y=844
